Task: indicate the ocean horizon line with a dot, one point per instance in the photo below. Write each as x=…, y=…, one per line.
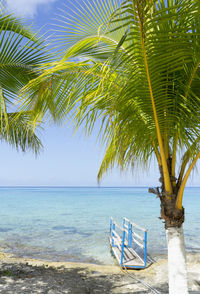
x=63, y=186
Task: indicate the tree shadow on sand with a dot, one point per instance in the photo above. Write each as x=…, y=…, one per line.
x=24, y=278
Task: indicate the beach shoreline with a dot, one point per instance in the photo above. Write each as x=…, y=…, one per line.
x=26, y=275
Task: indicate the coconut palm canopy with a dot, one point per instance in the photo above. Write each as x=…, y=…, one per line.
x=134, y=66
x=21, y=53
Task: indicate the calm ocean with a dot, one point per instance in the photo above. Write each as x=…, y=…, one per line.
x=72, y=224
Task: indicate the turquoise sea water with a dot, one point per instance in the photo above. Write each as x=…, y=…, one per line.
x=72, y=224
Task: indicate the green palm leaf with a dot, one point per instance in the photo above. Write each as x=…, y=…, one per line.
x=22, y=54
x=140, y=76
x=21, y=133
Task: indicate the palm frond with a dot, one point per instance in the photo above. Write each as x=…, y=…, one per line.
x=21, y=56
x=140, y=77
x=21, y=133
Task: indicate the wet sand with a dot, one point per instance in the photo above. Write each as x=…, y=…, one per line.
x=22, y=275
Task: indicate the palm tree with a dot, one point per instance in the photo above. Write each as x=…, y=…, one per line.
x=133, y=65
x=21, y=52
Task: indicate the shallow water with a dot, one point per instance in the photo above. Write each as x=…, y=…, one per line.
x=72, y=224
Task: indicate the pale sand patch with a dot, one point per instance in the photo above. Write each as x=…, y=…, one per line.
x=25, y=275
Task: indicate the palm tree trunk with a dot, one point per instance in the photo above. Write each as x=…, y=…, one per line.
x=177, y=271
x=173, y=219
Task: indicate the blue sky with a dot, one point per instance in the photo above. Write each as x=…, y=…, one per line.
x=67, y=159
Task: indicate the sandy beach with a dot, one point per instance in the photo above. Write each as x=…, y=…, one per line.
x=22, y=275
